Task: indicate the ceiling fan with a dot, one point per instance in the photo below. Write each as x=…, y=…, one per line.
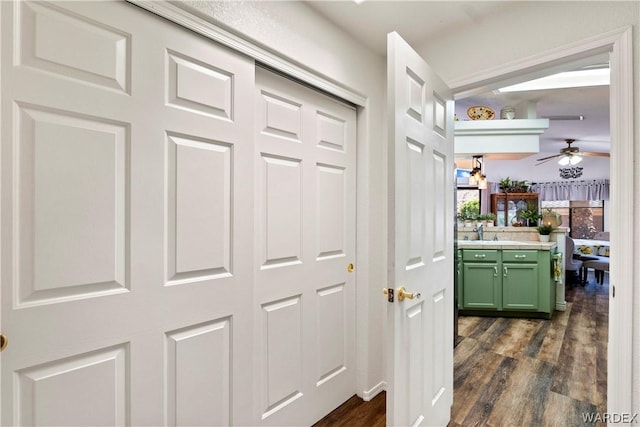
x=570, y=155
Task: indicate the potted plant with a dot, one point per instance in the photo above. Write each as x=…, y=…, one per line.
x=544, y=230
x=509, y=186
x=488, y=218
x=519, y=187
x=505, y=184
x=469, y=212
x=531, y=214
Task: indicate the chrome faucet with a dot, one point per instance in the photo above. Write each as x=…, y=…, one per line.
x=480, y=230
x=495, y=237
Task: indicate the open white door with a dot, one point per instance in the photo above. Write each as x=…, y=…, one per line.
x=420, y=327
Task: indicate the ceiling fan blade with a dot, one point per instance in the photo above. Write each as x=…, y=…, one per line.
x=586, y=153
x=550, y=157
x=545, y=160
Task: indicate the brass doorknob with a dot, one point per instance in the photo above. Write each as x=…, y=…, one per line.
x=402, y=294
x=3, y=342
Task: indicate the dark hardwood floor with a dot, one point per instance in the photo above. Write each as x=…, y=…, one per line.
x=521, y=372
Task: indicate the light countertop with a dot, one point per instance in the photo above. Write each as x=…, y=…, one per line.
x=505, y=244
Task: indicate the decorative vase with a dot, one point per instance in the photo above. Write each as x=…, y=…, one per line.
x=551, y=217
x=508, y=113
x=543, y=237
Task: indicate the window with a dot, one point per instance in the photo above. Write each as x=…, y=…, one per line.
x=466, y=194
x=583, y=217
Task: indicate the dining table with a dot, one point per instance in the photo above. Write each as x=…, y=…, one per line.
x=594, y=254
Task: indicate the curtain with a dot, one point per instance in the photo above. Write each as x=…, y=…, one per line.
x=485, y=199
x=597, y=189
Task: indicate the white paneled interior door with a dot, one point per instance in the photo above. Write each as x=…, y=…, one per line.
x=420, y=351
x=305, y=239
x=127, y=210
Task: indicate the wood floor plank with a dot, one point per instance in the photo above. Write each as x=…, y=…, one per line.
x=491, y=393
x=523, y=400
x=515, y=337
x=561, y=317
x=602, y=333
x=563, y=411
x=356, y=412
x=490, y=330
x=577, y=368
x=467, y=324
x=472, y=373
x=535, y=343
x=484, y=323
x=552, y=342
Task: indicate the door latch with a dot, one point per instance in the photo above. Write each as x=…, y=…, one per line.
x=389, y=293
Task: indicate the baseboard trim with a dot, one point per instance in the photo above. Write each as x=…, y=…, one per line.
x=367, y=395
x=561, y=306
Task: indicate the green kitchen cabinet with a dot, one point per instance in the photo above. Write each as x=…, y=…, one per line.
x=481, y=280
x=520, y=280
x=506, y=282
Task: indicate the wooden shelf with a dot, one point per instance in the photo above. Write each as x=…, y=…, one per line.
x=517, y=138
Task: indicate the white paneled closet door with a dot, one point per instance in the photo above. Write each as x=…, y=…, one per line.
x=304, y=311
x=127, y=220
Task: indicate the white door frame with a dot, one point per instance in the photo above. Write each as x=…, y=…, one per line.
x=621, y=358
x=621, y=385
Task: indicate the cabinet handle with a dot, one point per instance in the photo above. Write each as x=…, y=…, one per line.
x=480, y=255
x=495, y=271
x=504, y=267
x=519, y=256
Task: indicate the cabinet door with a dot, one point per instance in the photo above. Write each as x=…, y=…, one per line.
x=499, y=208
x=520, y=286
x=481, y=285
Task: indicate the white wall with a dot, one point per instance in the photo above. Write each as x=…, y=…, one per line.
x=297, y=32
x=522, y=30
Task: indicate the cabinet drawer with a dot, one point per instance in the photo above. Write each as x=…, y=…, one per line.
x=519, y=255
x=480, y=255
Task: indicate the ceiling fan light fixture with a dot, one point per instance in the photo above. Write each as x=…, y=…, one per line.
x=482, y=182
x=477, y=177
x=570, y=155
